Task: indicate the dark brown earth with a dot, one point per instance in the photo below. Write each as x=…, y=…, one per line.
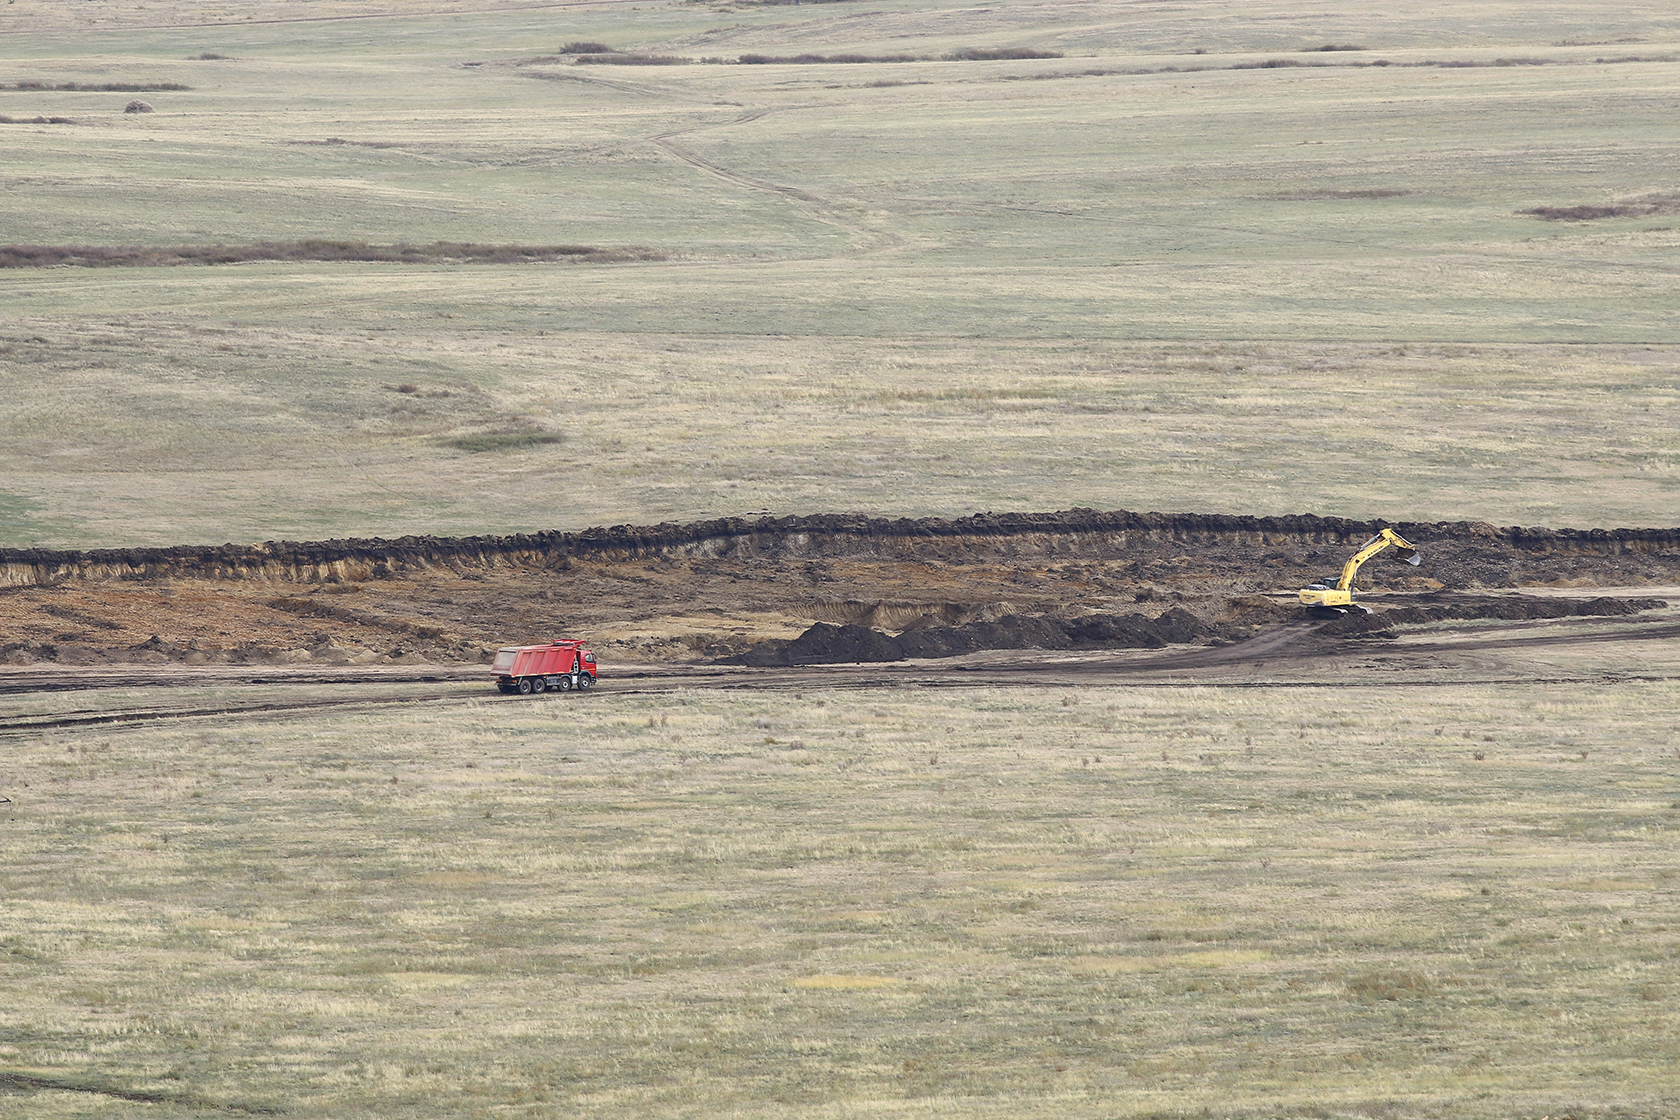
x=749, y=589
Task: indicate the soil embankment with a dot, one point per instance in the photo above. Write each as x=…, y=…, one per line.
x=739, y=587
x=826, y=644
x=1463, y=553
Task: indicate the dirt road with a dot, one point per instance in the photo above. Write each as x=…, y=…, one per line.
x=1291, y=655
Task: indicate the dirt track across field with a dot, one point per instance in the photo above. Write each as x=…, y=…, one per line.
x=1291, y=655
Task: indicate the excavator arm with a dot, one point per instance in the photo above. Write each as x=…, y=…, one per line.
x=1340, y=592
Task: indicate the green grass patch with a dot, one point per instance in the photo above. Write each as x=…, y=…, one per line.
x=480, y=442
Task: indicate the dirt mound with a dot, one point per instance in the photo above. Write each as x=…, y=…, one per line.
x=1507, y=607
x=827, y=644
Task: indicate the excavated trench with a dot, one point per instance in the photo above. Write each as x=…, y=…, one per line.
x=789, y=590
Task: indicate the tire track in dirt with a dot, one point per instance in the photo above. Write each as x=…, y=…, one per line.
x=24, y=727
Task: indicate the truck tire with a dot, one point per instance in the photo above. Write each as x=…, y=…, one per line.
x=524, y=686
x=538, y=684
x=586, y=681
x=565, y=684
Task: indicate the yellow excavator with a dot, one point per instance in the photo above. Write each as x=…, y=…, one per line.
x=1332, y=595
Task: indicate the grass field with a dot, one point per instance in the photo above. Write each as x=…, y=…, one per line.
x=926, y=287
x=1297, y=901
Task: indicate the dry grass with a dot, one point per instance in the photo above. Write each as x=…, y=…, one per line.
x=973, y=235
x=1110, y=902
x=302, y=431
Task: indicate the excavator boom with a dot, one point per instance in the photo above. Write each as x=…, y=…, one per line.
x=1338, y=593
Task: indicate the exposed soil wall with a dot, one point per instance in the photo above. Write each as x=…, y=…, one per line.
x=1459, y=553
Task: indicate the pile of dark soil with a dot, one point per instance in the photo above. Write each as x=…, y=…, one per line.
x=827, y=644
x=1506, y=607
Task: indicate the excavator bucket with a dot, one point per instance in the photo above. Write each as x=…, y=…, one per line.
x=1409, y=555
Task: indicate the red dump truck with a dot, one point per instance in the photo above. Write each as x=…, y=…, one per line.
x=562, y=665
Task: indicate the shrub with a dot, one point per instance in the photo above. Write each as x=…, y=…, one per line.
x=102, y=87
x=998, y=54
x=587, y=48
x=316, y=249
x=822, y=59
x=631, y=59
x=1649, y=206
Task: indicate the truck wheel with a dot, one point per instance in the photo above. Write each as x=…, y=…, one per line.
x=524, y=686
x=538, y=684
x=586, y=681
x=565, y=684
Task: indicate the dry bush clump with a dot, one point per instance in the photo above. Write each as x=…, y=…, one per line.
x=998, y=54
x=93, y=87
x=438, y=252
x=816, y=59
x=1644, y=206
x=617, y=59
x=588, y=48
x=138, y=106
x=341, y=142
x=35, y=120
x=964, y=54
x=1326, y=195
x=1380, y=63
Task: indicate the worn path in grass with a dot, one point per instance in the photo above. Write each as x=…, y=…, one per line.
x=1290, y=656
